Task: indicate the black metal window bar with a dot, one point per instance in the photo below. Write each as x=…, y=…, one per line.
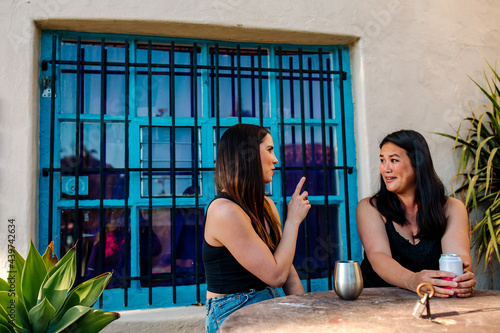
x=288, y=94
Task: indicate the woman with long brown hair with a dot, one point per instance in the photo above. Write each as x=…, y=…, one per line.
x=246, y=253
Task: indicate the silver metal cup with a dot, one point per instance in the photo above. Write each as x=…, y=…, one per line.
x=348, y=281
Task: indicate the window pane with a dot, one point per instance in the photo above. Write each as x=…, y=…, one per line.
x=185, y=152
x=252, y=93
x=89, y=51
x=89, y=159
x=307, y=95
x=160, y=87
x=162, y=246
x=319, y=246
x=183, y=92
x=68, y=89
x=115, y=91
x=313, y=159
x=90, y=89
x=91, y=256
x=160, y=53
x=90, y=78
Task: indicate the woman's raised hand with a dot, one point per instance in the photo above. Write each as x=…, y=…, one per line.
x=298, y=206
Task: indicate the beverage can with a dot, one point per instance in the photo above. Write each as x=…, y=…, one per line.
x=451, y=263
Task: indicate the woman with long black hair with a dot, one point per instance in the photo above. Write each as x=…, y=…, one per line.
x=410, y=222
x=245, y=252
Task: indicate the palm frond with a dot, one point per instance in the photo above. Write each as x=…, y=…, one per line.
x=477, y=139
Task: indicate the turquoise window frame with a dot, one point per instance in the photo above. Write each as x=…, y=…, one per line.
x=112, y=298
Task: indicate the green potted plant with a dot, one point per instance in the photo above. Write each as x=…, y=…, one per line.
x=38, y=296
x=478, y=138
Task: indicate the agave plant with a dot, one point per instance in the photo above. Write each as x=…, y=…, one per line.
x=37, y=296
x=479, y=169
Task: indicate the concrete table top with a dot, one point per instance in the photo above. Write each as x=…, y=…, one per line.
x=376, y=310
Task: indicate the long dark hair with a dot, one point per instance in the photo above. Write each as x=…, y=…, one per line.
x=429, y=194
x=238, y=171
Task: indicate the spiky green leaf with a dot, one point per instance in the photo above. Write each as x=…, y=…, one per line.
x=86, y=294
x=493, y=238
x=491, y=97
x=4, y=316
x=494, y=71
x=68, y=256
x=491, y=183
x=40, y=316
x=479, y=169
x=16, y=265
x=478, y=154
x=93, y=321
x=470, y=190
x=4, y=286
x=56, y=287
x=69, y=317
x=50, y=257
x=5, y=329
x=33, y=275
x=14, y=309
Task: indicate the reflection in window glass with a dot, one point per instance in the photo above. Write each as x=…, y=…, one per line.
x=115, y=91
x=91, y=50
x=68, y=89
x=162, y=247
x=320, y=247
x=90, y=78
x=253, y=93
x=294, y=97
x=160, y=82
x=89, y=158
x=114, y=226
x=313, y=157
x=185, y=178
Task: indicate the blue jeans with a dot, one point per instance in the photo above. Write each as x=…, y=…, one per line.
x=219, y=308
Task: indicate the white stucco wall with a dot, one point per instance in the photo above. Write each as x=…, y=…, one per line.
x=410, y=62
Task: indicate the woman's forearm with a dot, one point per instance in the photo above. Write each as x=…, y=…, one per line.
x=293, y=285
x=392, y=272
x=285, y=252
x=298, y=207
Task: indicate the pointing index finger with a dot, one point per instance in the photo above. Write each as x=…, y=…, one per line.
x=299, y=186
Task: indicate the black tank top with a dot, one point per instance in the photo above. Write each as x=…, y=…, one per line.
x=224, y=274
x=423, y=255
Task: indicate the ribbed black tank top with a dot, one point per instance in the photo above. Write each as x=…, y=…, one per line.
x=223, y=272
x=423, y=255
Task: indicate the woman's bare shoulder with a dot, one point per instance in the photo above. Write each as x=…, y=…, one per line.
x=454, y=202
x=225, y=219
x=366, y=203
x=454, y=207
x=366, y=211
x=224, y=209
